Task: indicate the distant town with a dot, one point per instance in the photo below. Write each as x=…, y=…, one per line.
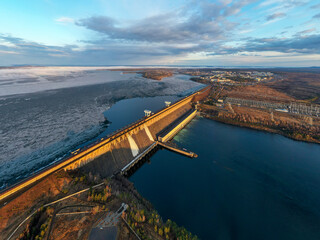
x=232, y=77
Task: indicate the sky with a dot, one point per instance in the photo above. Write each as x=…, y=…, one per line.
x=276, y=33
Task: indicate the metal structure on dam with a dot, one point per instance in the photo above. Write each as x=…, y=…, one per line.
x=120, y=150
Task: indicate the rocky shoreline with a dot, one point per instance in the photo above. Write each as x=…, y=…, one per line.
x=260, y=128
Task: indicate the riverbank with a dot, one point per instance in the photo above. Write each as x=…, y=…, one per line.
x=299, y=132
x=67, y=205
x=297, y=116
x=47, y=216
x=245, y=184
x=260, y=128
x=41, y=128
x=154, y=73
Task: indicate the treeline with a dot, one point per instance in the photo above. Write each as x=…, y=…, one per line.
x=99, y=196
x=38, y=226
x=143, y=223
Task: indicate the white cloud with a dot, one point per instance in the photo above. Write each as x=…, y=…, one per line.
x=8, y=52
x=64, y=20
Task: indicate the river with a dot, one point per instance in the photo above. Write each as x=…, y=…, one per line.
x=62, y=109
x=245, y=184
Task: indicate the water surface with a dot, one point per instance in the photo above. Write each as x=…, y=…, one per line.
x=245, y=184
x=40, y=128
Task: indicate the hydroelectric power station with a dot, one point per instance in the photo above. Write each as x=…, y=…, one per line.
x=121, y=150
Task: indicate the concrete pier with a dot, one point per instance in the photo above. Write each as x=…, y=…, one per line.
x=178, y=150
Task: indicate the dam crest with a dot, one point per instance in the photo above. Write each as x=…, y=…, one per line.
x=119, y=151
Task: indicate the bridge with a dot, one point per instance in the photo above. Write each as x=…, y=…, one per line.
x=123, y=148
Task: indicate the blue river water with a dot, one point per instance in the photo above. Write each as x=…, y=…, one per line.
x=128, y=111
x=245, y=184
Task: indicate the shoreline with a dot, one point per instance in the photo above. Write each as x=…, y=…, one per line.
x=72, y=116
x=258, y=128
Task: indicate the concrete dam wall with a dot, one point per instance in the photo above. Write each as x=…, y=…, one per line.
x=116, y=150
x=128, y=143
x=123, y=152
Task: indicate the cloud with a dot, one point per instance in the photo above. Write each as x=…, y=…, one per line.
x=275, y=16
x=155, y=29
x=199, y=28
x=112, y=52
x=26, y=48
x=306, y=31
x=100, y=52
x=64, y=20
x=204, y=22
x=315, y=6
x=317, y=16
x=7, y=52
x=193, y=29
x=309, y=44
x=281, y=5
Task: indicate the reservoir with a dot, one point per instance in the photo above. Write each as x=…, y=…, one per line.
x=245, y=184
x=39, y=128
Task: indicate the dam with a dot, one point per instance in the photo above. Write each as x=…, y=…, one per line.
x=123, y=147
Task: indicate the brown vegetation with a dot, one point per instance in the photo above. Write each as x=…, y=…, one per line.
x=293, y=126
x=141, y=216
x=258, y=92
x=19, y=208
x=299, y=85
x=61, y=220
x=73, y=227
x=156, y=74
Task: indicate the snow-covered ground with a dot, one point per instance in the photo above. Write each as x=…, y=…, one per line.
x=38, y=128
